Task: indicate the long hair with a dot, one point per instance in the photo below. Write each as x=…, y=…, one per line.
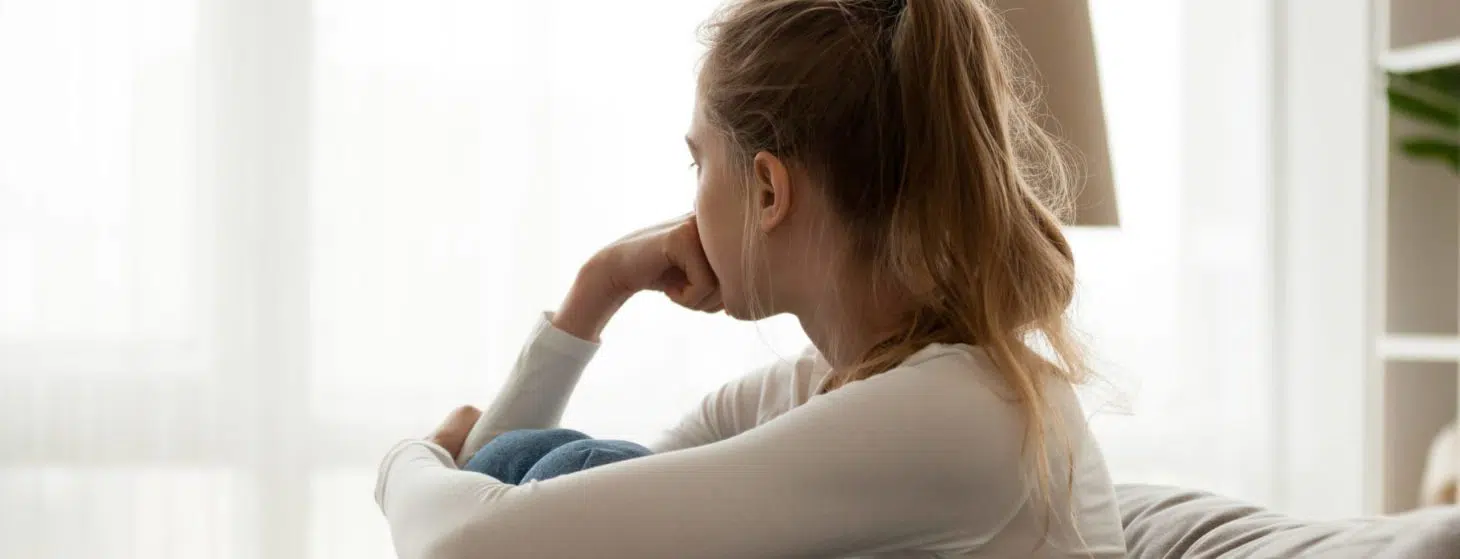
x=914, y=118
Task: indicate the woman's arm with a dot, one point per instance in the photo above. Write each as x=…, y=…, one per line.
x=743, y=403
x=724, y=413
x=538, y=388
x=906, y=460
x=667, y=257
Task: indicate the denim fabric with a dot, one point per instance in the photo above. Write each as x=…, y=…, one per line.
x=538, y=454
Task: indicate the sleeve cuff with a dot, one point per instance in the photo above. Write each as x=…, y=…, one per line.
x=549, y=337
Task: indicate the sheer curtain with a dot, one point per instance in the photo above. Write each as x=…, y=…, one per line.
x=247, y=245
x=1179, y=303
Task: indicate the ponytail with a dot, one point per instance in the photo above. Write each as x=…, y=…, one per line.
x=971, y=221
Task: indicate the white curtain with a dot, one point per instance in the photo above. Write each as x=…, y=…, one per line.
x=1179, y=302
x=245, y=245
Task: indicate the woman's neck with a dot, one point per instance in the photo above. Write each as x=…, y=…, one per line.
x=847, y=319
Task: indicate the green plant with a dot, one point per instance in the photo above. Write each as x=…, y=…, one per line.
x=1431, y=97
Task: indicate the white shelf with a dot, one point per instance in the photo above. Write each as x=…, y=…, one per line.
x=1420, y=347
x=1414, y=234
x=1424, y=56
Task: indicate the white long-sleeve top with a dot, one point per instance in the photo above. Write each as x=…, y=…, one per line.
x=920, y=461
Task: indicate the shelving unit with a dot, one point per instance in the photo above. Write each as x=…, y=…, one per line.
x=1420, y=348
x=1423, y=56
x=1417, y=213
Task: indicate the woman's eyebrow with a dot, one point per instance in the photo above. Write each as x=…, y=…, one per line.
x=693, y=149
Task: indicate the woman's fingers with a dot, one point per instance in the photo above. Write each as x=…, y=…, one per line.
x=685, y=253
x=667, y=257
x=452, y=432
x=677, y=287
x=712, y=304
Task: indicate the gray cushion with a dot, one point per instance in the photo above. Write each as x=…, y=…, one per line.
x=1163, y=522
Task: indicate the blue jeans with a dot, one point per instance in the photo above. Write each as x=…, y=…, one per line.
x=538, y=454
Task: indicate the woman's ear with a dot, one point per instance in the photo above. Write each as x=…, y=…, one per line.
x=772, y=190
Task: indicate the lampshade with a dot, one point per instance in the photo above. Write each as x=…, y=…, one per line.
x=1061, y=46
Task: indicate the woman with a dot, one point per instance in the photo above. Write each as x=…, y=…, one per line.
x=870, y=167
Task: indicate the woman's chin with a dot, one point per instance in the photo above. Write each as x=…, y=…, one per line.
x=744, y=313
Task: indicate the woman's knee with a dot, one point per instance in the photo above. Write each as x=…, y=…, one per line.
x=583, y=454
x=510, y=455
x=544, y=440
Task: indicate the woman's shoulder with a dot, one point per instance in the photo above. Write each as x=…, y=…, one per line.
x=957, y=389
x=970, y=367
x=961, y=367
x=944, y=386
x=951, y=390
x=952, y=422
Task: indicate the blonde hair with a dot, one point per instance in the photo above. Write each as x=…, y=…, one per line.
x=913, y=117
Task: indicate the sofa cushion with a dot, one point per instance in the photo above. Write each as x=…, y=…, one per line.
x=1163, y=522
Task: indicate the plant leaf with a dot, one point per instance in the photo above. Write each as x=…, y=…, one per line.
x=1445, y=79
x=1422, y=110
x=1422, y=148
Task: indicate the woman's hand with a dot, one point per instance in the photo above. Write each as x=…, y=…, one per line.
x=452, y=432
x=667, y=257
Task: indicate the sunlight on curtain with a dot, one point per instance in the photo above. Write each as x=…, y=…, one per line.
x=460, y=178
x=464, y=157
x=105, y=414
x=1127, y=304
x=1178, y=302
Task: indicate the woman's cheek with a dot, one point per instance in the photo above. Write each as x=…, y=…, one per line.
x=707, y=221
x=716, y=222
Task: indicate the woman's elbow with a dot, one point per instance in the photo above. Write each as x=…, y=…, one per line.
x=468, y=523
x=441, y=538
x=447, y=543
x=444, y=549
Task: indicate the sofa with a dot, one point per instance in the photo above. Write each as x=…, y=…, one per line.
x=1170, y=522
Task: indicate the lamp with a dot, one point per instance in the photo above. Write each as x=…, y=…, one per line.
x=1061, y=46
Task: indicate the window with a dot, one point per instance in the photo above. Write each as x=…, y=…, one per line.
x=246, y=246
